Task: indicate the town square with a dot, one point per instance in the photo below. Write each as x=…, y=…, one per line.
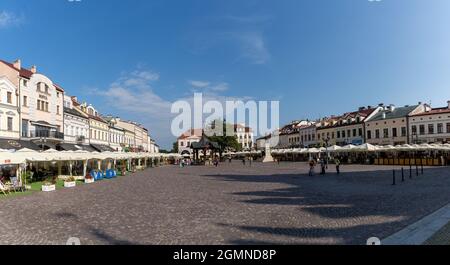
x=246, y=124
x=235, y=204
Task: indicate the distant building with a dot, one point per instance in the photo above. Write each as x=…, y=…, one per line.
x=244, y=136
x=186, y=139
x=390, y=125
x=430, y=126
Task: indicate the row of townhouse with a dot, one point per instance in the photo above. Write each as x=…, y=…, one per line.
x=36, y=113
x=381, y=125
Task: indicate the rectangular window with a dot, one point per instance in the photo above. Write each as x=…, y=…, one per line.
x=394, y=132
x=431, y=128
x=403, y=131
x=377, y=134
x=38, y=105
x=57, y=110
x=9, y=97
x=369, y=134
x=354, y=132
x=343, y=134
x=440, y=128
x=360, y=133
x=386, y=133
x=10, y=124
x=414, y=130
x=338, y=134
x=448, y=127
x=24, y=128
x=422, y=129
x=25, y=101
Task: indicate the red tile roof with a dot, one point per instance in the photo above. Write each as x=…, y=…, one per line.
x=191, y=132
x=26, y=73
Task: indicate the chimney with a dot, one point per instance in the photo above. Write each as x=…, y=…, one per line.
x=17, y=64
x=381, y=105
x=384, y=115
x=33, y=69
x=391, y=107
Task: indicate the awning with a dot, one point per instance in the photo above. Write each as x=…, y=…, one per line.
x=17, y=145
x=77, y=147
x=102, y=148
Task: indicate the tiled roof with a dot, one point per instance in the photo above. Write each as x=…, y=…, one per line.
x=398, y=112
x=443, y=110
x=191, y=132
x=22, y=72
x=74, y=112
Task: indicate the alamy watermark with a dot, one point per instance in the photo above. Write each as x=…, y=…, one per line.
x=255, y=114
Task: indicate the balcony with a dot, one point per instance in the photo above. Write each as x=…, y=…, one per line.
x=45, y=134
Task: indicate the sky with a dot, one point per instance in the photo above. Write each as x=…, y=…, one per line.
x=135, y=58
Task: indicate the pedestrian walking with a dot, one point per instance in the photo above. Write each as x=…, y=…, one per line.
x=311, y=167
x=338, y=165
x=322, y=166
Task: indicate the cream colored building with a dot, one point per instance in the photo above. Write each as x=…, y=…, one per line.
x=244, y=136
x=431, y=126
x=390, y=125
x=40, y=102
x=9, y=111
x=308, y=135
x=76, y=122
x=186, y=139
x=326, y=131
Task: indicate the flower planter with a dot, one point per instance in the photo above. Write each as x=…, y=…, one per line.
x=70, y=184
x=89, y=181
x=48, y=188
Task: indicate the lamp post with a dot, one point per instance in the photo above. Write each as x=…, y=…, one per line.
x=326, y=150
x=42, y=140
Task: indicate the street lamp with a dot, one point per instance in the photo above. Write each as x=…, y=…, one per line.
x=42, y=141
x=326, y=150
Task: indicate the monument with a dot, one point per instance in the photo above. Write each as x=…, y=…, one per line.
x=268, y=158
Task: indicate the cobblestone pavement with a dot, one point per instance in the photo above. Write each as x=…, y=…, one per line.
x=232, y=204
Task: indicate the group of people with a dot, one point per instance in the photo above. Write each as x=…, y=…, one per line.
x=323, y=166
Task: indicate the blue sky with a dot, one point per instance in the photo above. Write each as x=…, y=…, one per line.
x=318, y=57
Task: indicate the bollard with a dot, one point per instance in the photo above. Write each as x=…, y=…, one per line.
x=410, y=171
x=393, y=177
x=403, y=175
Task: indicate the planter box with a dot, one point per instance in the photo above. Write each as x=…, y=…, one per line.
x=70, y=184
x=48, y=188
x=89, y=181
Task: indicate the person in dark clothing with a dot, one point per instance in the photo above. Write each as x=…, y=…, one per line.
x=322, y=166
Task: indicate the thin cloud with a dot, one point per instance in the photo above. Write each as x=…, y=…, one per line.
x=199, y=84
x=132, y=95
x=8, y=19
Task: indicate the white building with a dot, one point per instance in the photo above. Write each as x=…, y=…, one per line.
x=186, y=139
x=244, y=136
x=431, y=126
x=9, y=111
x=76, y=123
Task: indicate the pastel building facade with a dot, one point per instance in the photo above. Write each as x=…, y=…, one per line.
x=430, y=126
x=390, y=125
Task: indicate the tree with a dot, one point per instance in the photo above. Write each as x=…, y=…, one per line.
x=225, y=141
x=175, y=148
